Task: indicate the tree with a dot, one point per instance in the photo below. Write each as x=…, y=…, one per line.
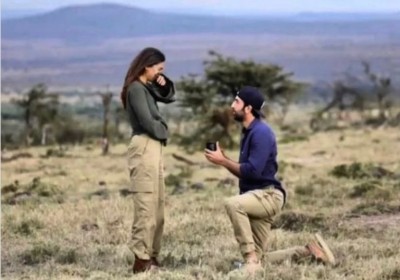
x=381, y=87
x=344, y=97
x=228, y=75
x=39, y=106
x=120, y=116
x=353, y=93
x=208, y=96
x=106, y=101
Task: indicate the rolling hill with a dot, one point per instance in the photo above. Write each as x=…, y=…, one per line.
x=93, y=44
x=105, y=21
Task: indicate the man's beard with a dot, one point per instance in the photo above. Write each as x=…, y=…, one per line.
x=238, y=116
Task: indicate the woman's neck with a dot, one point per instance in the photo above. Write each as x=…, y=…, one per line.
x=143, y=79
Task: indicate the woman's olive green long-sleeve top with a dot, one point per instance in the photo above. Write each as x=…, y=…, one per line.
x=143, y=112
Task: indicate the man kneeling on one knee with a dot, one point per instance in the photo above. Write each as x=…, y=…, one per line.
x=261, y=196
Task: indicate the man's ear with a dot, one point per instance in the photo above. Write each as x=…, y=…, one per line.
x=248, y=108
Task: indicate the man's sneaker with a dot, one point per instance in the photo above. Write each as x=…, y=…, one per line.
x=320, y=250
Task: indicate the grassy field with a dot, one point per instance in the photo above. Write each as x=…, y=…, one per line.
x=68, y=216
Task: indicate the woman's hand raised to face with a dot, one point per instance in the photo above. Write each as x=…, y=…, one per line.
x=161, y=80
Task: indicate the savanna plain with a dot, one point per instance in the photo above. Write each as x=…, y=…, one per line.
x=67, y=214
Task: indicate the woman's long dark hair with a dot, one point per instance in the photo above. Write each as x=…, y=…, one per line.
x=146, y=58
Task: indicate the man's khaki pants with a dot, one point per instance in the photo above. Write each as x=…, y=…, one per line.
x=146, y=175
x=252, y=215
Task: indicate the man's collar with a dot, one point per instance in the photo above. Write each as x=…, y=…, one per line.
x=252, y=124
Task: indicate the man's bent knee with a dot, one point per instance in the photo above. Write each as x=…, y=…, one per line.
x=231, y=204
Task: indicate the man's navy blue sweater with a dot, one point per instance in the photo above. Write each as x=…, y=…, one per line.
x=258, y=151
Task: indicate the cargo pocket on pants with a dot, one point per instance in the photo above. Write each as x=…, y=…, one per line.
x=269, y=201
x=140, y=171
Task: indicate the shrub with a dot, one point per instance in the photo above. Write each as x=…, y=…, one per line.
x=40, y=253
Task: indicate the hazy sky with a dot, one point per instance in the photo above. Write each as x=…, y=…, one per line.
x=226, y=6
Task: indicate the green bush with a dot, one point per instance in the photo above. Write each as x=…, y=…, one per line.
x=375, y=208
x=362, y=189
x=358, y=170
x=28, y=227
x=305, y=190
x=177, y=179
x=35, y=192
x=40, y=253
x=298, y=222
x=68, y=256
x=293, y=138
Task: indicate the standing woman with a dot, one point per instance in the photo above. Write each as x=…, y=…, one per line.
x=144, y=86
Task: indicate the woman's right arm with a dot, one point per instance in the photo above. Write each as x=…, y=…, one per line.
x=137, y=99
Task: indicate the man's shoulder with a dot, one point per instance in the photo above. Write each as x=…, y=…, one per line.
x=264, y=133
x=264, y=128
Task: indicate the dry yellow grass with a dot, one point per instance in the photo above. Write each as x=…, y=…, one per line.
x=80, y=237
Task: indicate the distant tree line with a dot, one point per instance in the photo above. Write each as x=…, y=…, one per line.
x=45, y=123
x=203, y=111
